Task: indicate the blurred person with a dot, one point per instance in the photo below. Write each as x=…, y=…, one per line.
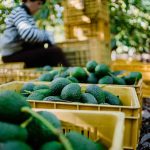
x=22, y=41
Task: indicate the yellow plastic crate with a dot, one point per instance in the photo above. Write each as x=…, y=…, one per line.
x=94, y=125
x=146, y=90
x=28, y=74
x=7, y=71
x=78, y=52
x=124, y=61
x=14, y=65
x=128, y=96
x=92, y=9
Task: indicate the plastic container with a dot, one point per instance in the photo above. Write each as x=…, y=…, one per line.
x=7, y=71
x=146, y=90
x=29, y=74
x=92, y=9
x=129, y=99
x=14, y=65
x=94, y=125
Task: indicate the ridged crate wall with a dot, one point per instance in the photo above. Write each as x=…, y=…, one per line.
x=79, y=52
x=93, y=9
x=92, y=18
x=85, y=20
x=98, y=29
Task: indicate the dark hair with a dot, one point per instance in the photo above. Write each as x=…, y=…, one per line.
x=33, y=1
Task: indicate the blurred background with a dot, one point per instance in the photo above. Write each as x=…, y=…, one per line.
x=119, y=28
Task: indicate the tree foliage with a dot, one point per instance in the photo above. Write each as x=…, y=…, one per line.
x=130, y=24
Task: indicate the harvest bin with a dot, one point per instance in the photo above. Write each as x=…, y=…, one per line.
x=128, y=96
x=6, y=71
x=14, y=65
x=146, y=90
x=94, y=125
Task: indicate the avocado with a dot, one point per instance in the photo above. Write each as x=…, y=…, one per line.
x=61, y=74
x=12, y=132
x=80, y=142
x=52, y=146
x=45, y=92
x=101, y=146
x=112, y=99
x=38, y=69
x=47, y=68
x=72, y=79
x=118, y=72
x=14, y=145
x=46, y=77
x=71, y=92
x=27, y=87
x=35, y=96
x=52, y=98
x=118, y=80
x=106, y=80
x=41, y=86
x=57, y=85
x=56, y=76
x=11, y=103
x=39, y=133
x=79, y=73
x=53, y=73
x=90, y=65
x=88, y=98
x=133, y=78
x=92, y=78
x=97, y=92
x=102, y=70
x=64, y=74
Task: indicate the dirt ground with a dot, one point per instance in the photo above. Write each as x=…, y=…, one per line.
x=144, y=140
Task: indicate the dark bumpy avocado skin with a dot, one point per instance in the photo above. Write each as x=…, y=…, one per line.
x=14, y=145
x=97, y=92
x=10, y=107
x=71, y=92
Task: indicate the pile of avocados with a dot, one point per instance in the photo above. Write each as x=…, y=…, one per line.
x=64, y=90
x=93, y=73
x=23, y=129
x=64, y=84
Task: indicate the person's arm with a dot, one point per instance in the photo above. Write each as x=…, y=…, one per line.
x=26, y=28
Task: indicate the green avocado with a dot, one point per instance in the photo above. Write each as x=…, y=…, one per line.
x=97, y=92
x=80, y=142
x=88, y=98
x=14, y=145
x=11, y=103
x=71, y=92
x=12, y=132
x=52, y=146
x=91, y=65
x=39, y=133
x=57, y=85
x=106, y=80
x=112, y=99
